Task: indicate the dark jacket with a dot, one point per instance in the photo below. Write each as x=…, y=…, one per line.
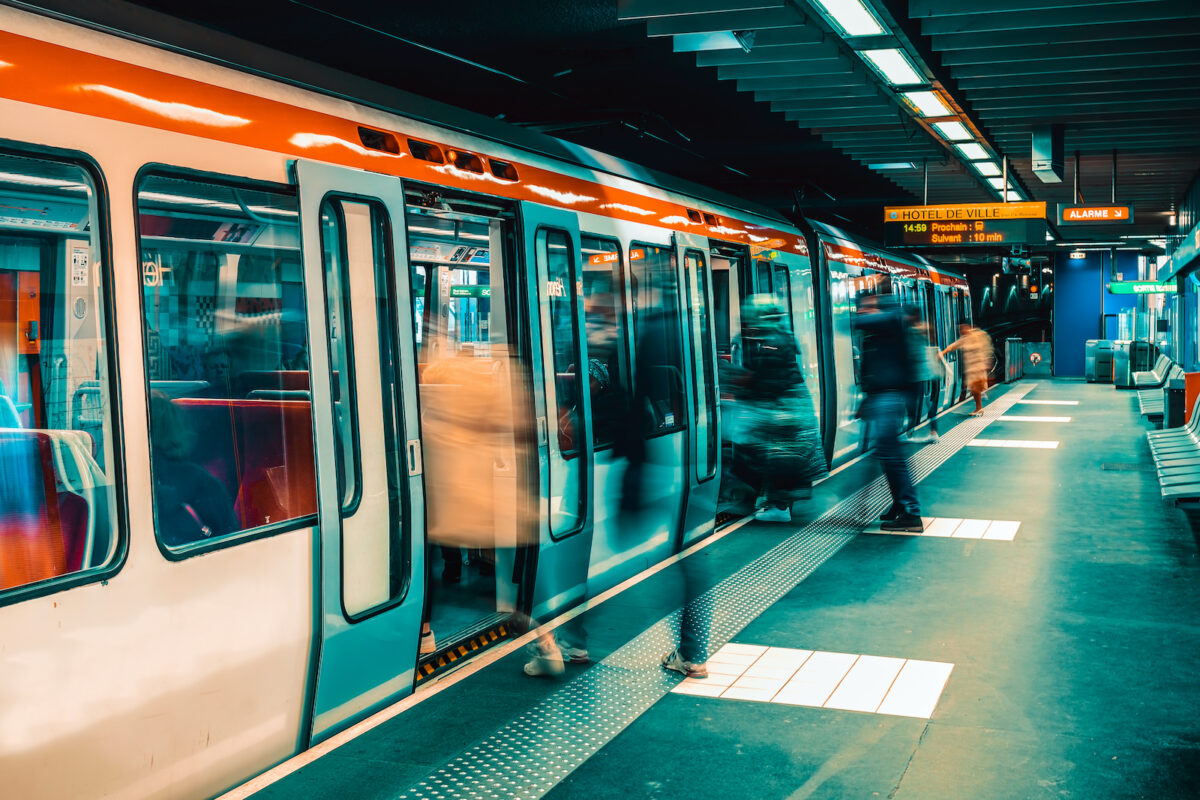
x=886, y=362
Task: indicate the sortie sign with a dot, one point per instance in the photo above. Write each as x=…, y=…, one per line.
x=1141, y=287
x=1093, y=214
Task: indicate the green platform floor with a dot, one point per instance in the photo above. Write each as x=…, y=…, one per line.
x=1075, y=648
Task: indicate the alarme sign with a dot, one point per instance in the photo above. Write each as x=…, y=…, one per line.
x=1091, y=215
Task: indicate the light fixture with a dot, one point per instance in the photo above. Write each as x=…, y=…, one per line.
x=1171, y=221
x=1077, y=255
x=893, y=165
x=1014, y=196
x=973, y=151
x=894, y=66
x=986, y=168
x=852, y=17
x=953, y=131
x=996, y=183
x=928, y=103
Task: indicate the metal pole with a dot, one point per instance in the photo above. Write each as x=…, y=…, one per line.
x=1078, y=197
x=1004, y=182
x=1114, y=177
x=925, y=167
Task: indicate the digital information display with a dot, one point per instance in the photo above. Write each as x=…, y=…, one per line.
x=984, y=224
x=979, y=231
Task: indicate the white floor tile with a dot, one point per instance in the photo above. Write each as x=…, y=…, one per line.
x=941, y=526
x=816, y=680
x=866, y=684
x=760, y=695
x=732, y=658
x=917, y=689
x=1049, y=402
x=1002, y=530
x=750, y=682
x=742, y=649
x=972, y=528
x=698, y=688
x=1021, y=418
x=721, y=668
x=1033, y=445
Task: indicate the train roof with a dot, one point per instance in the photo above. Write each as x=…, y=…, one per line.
x=159, y=30
x=891, y=260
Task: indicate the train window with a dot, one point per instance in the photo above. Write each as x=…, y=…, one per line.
x=781, y=287
x=58, y=451
x=603, y=314
x=359, y=287
x=231, y=438
x=658, y=335
x=554, y=251
x=705, y=399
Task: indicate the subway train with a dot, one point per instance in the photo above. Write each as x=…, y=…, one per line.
x=223, y=297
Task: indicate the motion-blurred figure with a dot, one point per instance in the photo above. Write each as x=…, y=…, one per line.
x=887, y=379
x=777, y=449
x=976, y=347
x=929, y=373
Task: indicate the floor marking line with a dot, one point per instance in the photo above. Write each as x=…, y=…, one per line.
x=953, y=528
x=1022, y=418
x=862, y=683
x=532, y=753
x=1051, y=402
x=1022, y=443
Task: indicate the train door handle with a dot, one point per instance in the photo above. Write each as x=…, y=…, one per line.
x=414, y=457
x=543, y=432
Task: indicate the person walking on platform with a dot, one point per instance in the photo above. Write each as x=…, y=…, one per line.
x=887, y=377
x=976, y=347
x=778, y=451
x=930, y=375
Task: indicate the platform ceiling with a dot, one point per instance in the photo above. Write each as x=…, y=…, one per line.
x=794, y=122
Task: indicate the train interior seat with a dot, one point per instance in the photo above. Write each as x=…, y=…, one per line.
x=261, y=450
x=43, y=529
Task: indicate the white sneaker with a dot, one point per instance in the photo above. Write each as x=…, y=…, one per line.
x=574, y=655
x=548, y=661
x=773, y=514
x=674, y=661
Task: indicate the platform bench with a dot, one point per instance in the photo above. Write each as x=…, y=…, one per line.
x=1152, y=402
x=1176, y=454
x=1155, y=378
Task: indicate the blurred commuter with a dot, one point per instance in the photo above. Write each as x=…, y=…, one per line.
x=778, y=449
x=978, y=357
x=887, y=378
x=930, y=374
x=189, y=503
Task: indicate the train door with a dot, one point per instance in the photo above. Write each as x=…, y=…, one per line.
x=472, y=321
x=562, y=403
x=704, y=441
x=369, y=488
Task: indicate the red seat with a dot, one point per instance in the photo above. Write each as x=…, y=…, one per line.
x=278, y=471
x=42, y=530
x=261, y=450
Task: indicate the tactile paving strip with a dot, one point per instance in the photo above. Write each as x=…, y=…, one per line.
x=530, y=755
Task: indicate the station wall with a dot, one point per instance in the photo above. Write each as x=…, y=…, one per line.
x=1079, y=301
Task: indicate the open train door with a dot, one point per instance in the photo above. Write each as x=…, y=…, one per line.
x=702, y=455
x=369, y=558
x=562, y=406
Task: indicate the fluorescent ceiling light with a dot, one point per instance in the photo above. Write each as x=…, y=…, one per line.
x=996, y=183
x=893, y=165
x=973, y=151
x=1014, y=195
x=699, y=42
x=854, y=18
x=986, y=168
x=894, y=66
x=929, y=104
x=953, y=131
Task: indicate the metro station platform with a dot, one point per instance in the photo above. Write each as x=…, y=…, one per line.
x=1040, y=640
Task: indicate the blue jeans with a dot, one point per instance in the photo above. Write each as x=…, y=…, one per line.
x=884, y=413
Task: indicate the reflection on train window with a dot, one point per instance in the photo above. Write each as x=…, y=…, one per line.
x=359, y=287
x=554, y=251
x=57, y=449
x=419, y=278
x=226, y=358
x=658, y=337
x=603, y=281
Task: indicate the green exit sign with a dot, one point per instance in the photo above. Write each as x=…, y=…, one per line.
x=470, y=290
x=1141, y=287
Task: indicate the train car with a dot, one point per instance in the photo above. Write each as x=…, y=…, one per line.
x=233, y=318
